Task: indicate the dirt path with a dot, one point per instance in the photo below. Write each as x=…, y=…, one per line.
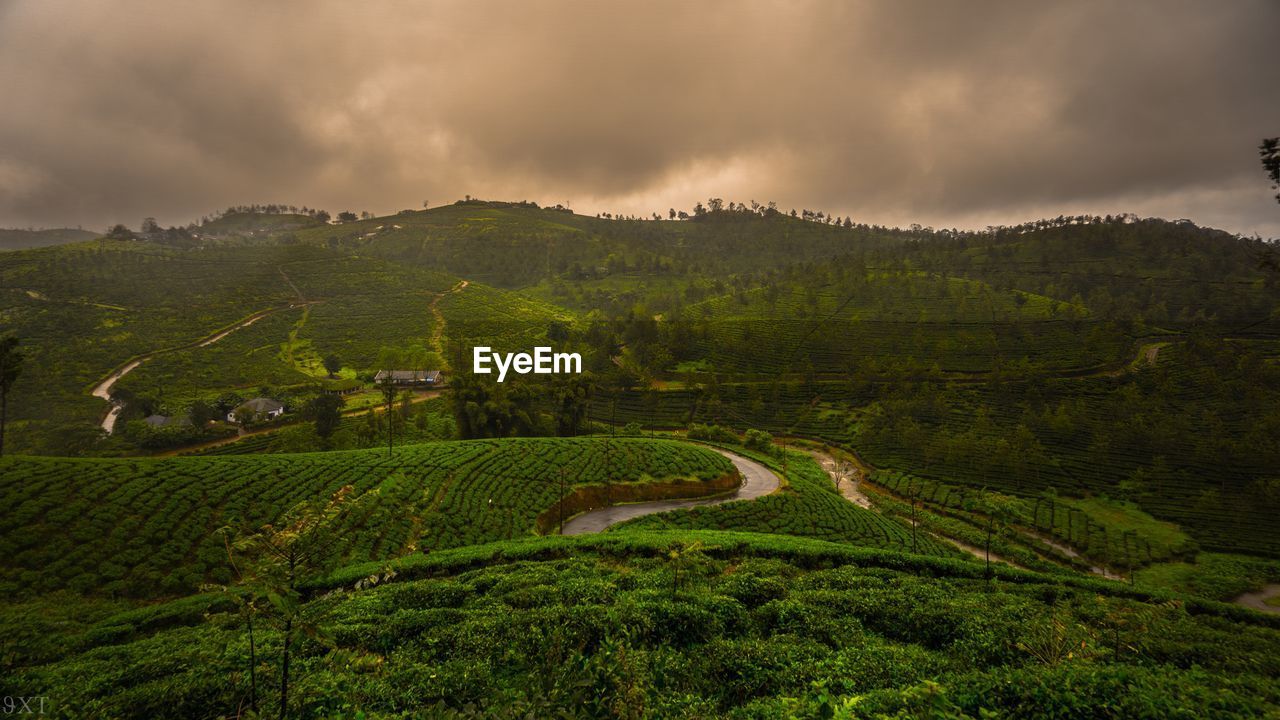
x=230, y=330
x=437, y=327
x=977, y=551
x=852, y=491
x=848, y=482
x=103, y=389
x=757, y=480
x=301, y=298
x=1257, y=600
x=1071, y=553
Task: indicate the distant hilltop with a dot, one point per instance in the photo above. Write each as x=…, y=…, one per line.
x=21, y=239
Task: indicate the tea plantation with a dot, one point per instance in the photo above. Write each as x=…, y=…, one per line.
x=666, y=625
x=143, y=528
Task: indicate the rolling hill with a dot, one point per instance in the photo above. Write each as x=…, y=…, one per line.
x=15, y=239
x=1091, y=402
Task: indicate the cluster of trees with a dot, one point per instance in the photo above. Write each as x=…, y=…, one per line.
x=347, y=216
x=11, y=358
x=268, y=209
x=151, y=231
x=484, y=408
x=1269, y=153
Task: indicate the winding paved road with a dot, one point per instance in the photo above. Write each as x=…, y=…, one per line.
x=757, y=480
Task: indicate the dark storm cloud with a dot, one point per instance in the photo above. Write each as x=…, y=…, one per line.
x=944, y=113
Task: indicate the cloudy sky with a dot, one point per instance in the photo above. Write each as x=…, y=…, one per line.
x=944, y=113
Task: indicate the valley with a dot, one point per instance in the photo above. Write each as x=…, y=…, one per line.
x=772, y=488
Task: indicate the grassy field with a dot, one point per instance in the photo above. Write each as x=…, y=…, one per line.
x=1221, y=576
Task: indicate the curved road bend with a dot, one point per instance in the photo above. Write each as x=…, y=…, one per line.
x=757, y=480
x=1257, y=599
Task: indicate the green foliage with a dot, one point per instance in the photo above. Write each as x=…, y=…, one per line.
x=326, y=412
x=1214, y=575
x=758, y=440
x=587, y=627
x=10, y=368
x=712, y=433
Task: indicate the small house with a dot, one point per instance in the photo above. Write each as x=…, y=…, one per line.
x=408, y=378
x=256, y=409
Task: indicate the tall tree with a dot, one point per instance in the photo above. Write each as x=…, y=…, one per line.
x=10, y=368
x=332, y=364
x=1269, y=152
x=326, y=411
x=389, y=393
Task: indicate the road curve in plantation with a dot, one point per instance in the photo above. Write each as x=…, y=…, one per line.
x=1257, y=600
x=757, y=480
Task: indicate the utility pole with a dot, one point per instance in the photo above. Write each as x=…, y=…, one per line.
x=1128, y=559
x=914, y=497
x=608, y=465
x=561, y=503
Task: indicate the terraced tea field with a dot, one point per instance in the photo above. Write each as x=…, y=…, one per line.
x=147, y=527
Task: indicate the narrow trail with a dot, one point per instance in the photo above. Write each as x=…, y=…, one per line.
x=977, y=551
x=230, y=330
x=1071, y=553
x=437, y=326
x=848, y=482
x=851, y=489
x=757, y=481
x=103, y=388
x=301, y=298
